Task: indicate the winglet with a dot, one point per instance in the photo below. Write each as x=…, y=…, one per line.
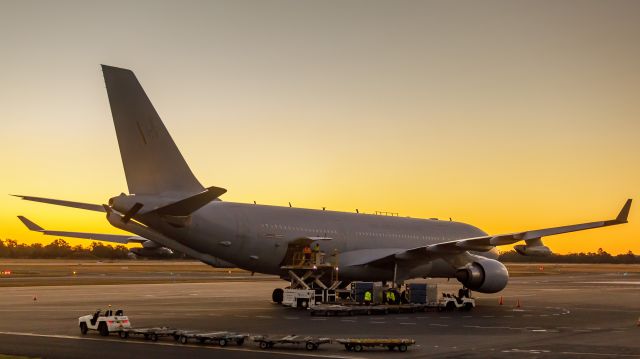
x=624, y=212
x=32, y=226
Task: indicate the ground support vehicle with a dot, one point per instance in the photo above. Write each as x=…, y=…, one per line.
x=450, y=303
x=104, y=321
x=310, y=343
x=357, y=345
x=220, y=338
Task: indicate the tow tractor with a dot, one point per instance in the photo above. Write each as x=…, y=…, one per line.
x=104, y=321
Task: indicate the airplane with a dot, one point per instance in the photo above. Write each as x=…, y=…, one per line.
x=167, y=207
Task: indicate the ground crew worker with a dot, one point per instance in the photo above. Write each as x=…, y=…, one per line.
x=391, y=297
x=316, y=252
x=307, y=254
x=368, y=297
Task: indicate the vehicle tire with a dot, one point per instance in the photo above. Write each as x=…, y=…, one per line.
x=264, y=345
x=154, y=337
x=278, y=295
x=402, y=348
x=222, y=342
x=467, y=307
x=83, y=328
x=311, y=346
x=304, y=304
x=102, y=328
x=240, y=341
x=450, y=306
x=357, y=348
x=348, y=347
x=183, y=339
x=176, y=337
x=123, y=334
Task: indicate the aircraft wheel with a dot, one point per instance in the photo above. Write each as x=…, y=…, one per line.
x=357, y=348
x=311, y=346
x=83, y=328
x=222, y=342
x=102, y=328
x=402, y=348
x=183, y=339
x=264, y=345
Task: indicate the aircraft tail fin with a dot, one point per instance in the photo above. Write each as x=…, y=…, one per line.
x=152, y=162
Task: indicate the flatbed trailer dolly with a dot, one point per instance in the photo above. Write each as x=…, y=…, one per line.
x=220, y=338
x=148, y=333
x=310, y=343
x=357, y=345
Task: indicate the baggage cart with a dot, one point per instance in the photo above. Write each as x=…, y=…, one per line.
x=221, y=338
x=358, y=344
x=310, y=343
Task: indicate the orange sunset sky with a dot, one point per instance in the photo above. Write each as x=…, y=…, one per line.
x=509, y=115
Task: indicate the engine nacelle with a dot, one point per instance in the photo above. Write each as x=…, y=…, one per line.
x=157, y=252
x=532, y=251
x=484, y=275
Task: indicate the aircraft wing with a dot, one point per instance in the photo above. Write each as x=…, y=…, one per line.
x=114, y=238
x=60, y=202
x=486, y=243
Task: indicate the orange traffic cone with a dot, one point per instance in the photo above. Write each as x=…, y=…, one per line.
x=501, y=301
x=518, y=303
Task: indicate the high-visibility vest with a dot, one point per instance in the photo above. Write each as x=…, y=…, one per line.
x=367, y=296
x=391, y=296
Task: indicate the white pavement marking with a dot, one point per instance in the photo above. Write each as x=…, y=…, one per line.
x=176, y=345
x=407, y=323
x=613, y=282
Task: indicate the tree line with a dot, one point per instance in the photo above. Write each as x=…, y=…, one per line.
x=60, y=248
x=601, y=256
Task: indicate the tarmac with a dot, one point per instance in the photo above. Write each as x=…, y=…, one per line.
x=566, y=315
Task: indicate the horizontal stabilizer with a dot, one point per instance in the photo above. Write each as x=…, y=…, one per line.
x=191, y=204
x=114, y=238
x=59, y=202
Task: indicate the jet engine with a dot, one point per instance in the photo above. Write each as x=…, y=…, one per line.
x=484, y=275
x=533, y=247
x=532, y=251
x=151, y=249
